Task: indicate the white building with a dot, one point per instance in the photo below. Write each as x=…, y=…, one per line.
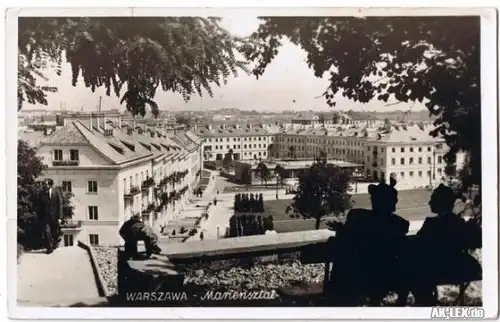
x=116, y=170
x=247, y=142
x=405, y=150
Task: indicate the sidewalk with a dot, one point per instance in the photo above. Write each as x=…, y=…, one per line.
x=64, y=275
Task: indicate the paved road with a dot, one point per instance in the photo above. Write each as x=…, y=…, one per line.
x=62, y=276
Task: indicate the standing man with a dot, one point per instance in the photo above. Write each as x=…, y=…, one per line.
x=51, y=213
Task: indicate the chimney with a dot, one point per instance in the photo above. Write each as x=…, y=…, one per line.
x=98, y=123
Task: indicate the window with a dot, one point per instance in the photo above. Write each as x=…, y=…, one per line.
x=428, y=160
x=429, y=149
x=411, y=161
x=93, y=213
x=402, y=161
x=420, y=174
x=393, y=149
x=402, y=174
x=58, y=155
x=73, y=155
x=402, y=149
x=66, y=186
x=440, y=159
x=92, y=186
x=419, y=149
x=420, y=160
x=439, y=146
x=428, y=173
x=411, y=173
x=439, y=170
x=411, y=149
x=94, y=239
x=68, y=240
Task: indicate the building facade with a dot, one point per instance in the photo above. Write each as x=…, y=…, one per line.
x=115, y=170
x=404, y=150
x=247, y=142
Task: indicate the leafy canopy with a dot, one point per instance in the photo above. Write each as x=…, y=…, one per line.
x=433, y=60
x=323, y=190
x=185, y=55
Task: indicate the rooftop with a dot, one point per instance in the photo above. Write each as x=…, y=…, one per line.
x=117, y=145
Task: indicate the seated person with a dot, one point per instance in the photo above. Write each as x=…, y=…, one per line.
x=444, y=232
x=367, y=239
x=134, y=230
x=440, y=248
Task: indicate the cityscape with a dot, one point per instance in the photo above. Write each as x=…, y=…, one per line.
x=120, y=204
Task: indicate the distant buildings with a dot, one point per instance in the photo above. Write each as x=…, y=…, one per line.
x=408, y=151
x=116, y=169
x=245, y=141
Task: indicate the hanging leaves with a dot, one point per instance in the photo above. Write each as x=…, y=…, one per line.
x=434, y=60
x=185, y=55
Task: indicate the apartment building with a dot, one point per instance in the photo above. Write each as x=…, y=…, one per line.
x=406, y=150
x=116, y=170
x=247, y=142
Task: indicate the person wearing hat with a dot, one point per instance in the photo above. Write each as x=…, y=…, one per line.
x=369, y=238
x=134, y=230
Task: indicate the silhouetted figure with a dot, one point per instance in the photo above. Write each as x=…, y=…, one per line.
x=134, y=230
x=201, y=236
x=51, y=213
x=215, y=201
x=367, y=245
x=442, y=241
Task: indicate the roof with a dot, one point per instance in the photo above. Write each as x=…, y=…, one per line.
x=122, y=145
x=403, y=134
x=231, y=131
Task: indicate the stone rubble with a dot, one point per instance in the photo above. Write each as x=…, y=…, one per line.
x=267, y=277
x=107, y=259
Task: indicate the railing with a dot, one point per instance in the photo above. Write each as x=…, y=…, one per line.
x=146, y=184
x=149, y=208
x=72, y=224
x=65, y=163
x=134, y=190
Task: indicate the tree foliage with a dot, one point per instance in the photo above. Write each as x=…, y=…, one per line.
x=227, y=162
x=263, y=172
x=185, y=55
x=433, y=60
x=29, y=224
x=323, y=190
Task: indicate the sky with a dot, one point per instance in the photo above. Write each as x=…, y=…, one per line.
x=287, y=84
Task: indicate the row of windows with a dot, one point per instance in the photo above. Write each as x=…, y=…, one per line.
x=73, y=155
x=260, y=138
x=92, y=186
x=320, y=141
x=420, y=173
x=238, y=146
x=420, y=160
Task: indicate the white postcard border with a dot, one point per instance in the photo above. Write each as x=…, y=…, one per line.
x=489, y=120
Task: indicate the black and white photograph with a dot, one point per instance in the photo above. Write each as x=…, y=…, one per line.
x=255, y=158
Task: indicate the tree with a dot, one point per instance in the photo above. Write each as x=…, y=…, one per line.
x=433, y=60
x=184, y=120
x=279, y=173
x=336, y=118
x=227, y=163
x=29, y=224
x=263, y=173
x=270, y=150
x=291, y=152
x=185, y=55
x=322, y=190
x=322, y=119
